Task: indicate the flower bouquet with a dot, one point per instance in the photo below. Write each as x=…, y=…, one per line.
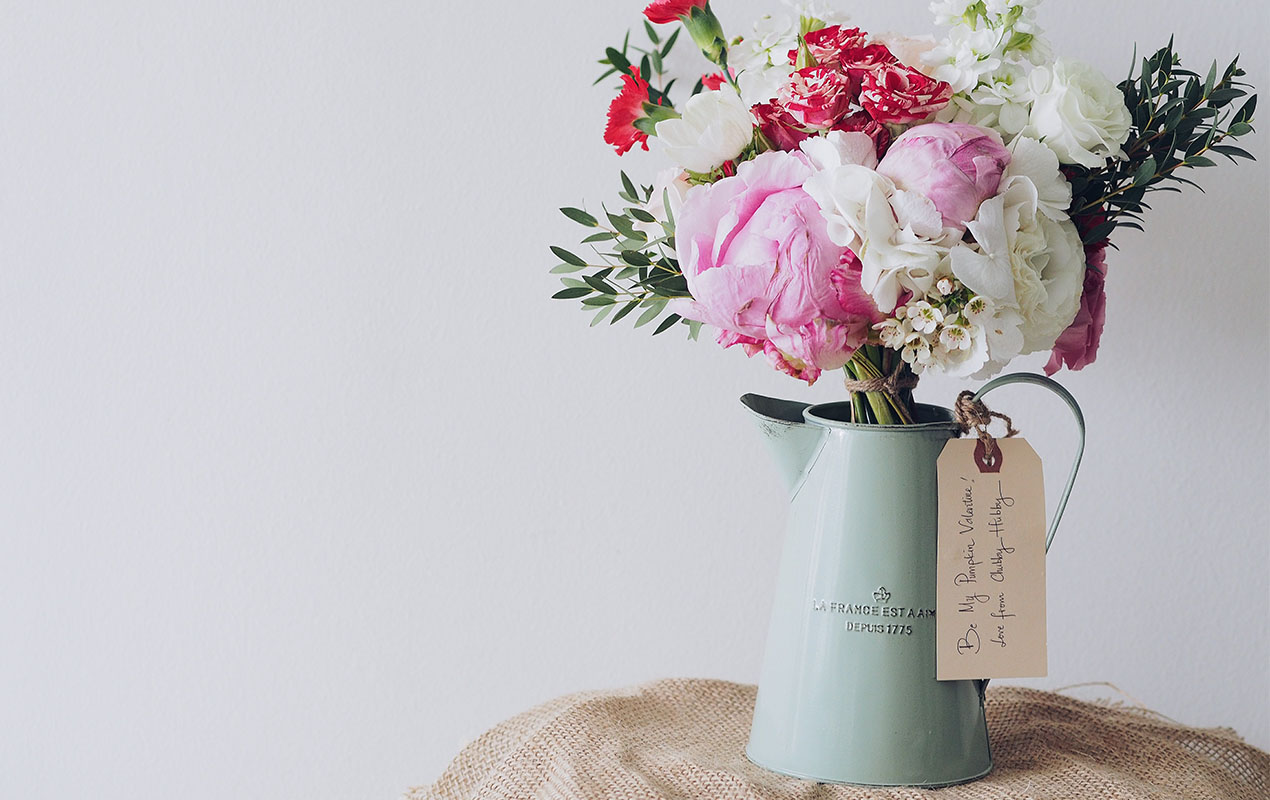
x=887, y=204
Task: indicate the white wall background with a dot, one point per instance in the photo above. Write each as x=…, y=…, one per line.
x=304, y=481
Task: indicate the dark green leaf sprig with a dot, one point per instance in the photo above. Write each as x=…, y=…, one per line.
x=1180, y=121
x=627, y=271
x=623, y=60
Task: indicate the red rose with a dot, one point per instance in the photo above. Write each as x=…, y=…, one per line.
x=862, y=122
x=818, y=96
x=662, y=11
x=898, y=94
x=778, y=127
x=627, y=107
x=857, y=61
x=827, y=44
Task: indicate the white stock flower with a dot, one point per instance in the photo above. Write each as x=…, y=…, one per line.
x=898, y=236
x=950, y=12
x=715, y=127
x=1078, y=113
x=775, y=35
x=967, y=55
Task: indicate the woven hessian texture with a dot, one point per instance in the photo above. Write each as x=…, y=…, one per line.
x=685, y=740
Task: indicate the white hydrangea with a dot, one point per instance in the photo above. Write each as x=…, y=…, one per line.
x=898, y=235
x=1031, y=267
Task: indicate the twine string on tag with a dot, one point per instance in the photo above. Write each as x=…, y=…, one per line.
x=972, y=414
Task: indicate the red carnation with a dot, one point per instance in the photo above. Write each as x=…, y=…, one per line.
x=712, y=81
x=662, y=11
x=627, y=107
x=827, y=44
x=818, y=96
x=897, y=94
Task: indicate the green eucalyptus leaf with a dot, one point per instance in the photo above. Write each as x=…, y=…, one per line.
x=581, y=217
x=666, y=323
x=567, y=257
x=600, y=315
x=626, y=309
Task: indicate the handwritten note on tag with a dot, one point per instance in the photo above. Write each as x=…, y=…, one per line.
x=990, y=598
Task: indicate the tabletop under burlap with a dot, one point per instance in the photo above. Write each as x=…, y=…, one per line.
x=685, y=739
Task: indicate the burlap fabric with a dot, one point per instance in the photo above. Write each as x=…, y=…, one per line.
x=685, y=739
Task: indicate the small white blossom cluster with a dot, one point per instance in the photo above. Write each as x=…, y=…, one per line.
x=1005, y=78
x=945, y=331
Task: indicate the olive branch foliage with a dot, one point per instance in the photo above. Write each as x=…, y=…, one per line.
x=626, y=269
x=1180, y=120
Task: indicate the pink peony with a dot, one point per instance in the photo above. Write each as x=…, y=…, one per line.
x=1077, y=347
x=956, y=166
x=760, y=266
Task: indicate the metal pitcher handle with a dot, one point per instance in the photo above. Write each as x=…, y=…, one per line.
x=1056, y=388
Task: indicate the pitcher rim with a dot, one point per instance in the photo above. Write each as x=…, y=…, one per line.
x=817, y=415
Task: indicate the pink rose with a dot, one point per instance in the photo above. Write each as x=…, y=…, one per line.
x=956, y=166
x=817, y=96
x=1077, y=347
x=759, y=263
x=899, y=94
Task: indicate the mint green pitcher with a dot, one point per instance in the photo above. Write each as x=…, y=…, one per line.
x=848, y=692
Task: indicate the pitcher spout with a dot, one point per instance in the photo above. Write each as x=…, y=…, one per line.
x=792, y=441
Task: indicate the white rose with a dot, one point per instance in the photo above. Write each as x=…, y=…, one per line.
x=715, y=127
x=1078, y=113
